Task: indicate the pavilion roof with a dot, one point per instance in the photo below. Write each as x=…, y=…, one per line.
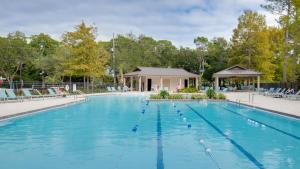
x=237, y=71
x=155, y=71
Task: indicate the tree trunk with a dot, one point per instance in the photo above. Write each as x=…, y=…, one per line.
x=83, y=82
x=285, y=59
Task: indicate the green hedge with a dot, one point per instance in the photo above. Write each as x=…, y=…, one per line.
x=155, y=96
x=199, y=96
x=220, y=96
x=189, y=90
x=176, y=97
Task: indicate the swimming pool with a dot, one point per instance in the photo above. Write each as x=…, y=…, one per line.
x=127, y=132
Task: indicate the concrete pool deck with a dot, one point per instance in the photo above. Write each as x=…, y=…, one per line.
x=10, y=109
x=278, y=105
x=17, y=108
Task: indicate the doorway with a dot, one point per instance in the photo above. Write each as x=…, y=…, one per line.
x=149, y=82
x=186, y=83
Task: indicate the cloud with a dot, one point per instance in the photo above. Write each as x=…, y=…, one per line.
x=175, y=20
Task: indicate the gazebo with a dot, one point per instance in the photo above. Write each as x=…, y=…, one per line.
x=154, y=79
x=238, y=72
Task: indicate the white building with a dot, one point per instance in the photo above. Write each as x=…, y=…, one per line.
x=154, y=79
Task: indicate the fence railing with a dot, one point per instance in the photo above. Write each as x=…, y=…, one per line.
x=87, y=87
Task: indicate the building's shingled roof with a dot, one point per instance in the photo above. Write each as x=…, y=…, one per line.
x=154, y=71
x=237, y=71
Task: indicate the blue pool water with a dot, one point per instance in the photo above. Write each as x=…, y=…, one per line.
x=125, y=132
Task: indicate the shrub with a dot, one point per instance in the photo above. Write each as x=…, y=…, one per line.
x=221, y=96
x=211, y=93
x=199, y=96
x=176, y=97
x=164, y=94
x=155, y=96
x=189, y=90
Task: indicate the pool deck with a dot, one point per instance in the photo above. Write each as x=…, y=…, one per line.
x=18, y=108
x=277, y=105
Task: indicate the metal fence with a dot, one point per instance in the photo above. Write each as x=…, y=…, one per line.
x=87, y=87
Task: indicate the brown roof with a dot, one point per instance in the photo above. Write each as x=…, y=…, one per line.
x=237, y=71
x=154, y=71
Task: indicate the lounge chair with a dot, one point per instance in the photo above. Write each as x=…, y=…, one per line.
x=272, y=92
x=225, y=89
x=119, y=89
x=125, y=89
x=3, y=95
x=27, y=93
x=11, y=94
x=113, y=89
x=108, y=89
x=280, y=93
x=51, y=92
x=295, y=96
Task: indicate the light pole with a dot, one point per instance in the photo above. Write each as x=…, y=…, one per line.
x=113, y=59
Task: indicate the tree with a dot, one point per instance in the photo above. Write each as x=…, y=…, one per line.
x=285, y=9
x=251, y=46
x=14, y=52
x=201, y=45
x=217, y=56
x=85, y=57
x=44, y=62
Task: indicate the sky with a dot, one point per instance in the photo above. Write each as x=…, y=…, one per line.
x=179, y=21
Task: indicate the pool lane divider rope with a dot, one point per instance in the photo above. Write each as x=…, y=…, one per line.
x=181, y=115
x=262, y=123
x=233, y=142
x=208, y=152
x=135, y=127
x=160, y=159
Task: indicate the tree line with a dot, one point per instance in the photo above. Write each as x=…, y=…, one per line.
x=274, y=51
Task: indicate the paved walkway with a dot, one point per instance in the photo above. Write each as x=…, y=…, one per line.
x=11, y=109
x=279, y=105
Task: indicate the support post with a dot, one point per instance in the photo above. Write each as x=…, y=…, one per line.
x=258, y=83
x=180, y=83
x=217, y=83
x=124, y=81
x=161, y=83
x=146, y=84
x=197, y=83
x=131, y=83
x=140, y=83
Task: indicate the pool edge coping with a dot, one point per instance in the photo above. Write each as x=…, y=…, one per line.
x=269, y=110
x=227, y=100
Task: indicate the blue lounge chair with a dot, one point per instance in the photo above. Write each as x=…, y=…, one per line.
x=280, y=93
x=225, y=89
x=119, y=89
x=295, y=96
x=51, y=92
x=27, y=93
x=11, y=94
x=113, y=89
x=108, y=89
x=3, y=95
x=125, y=89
